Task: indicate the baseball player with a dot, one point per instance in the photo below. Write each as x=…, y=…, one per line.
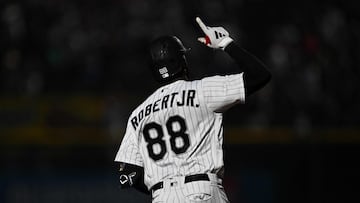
x=172, y=147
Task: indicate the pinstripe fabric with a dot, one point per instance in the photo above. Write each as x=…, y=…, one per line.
x=222, y=92
x=129, y=149
x=207, y=191
x=199, y=104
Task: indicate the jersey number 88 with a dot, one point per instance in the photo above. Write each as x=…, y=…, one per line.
x=174, y=135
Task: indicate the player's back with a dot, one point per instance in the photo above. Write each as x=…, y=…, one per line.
x=177, y=130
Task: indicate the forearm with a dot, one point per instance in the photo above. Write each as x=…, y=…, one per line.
x=256, y=74
x=132, y=176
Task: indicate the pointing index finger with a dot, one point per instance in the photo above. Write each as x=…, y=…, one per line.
x=201, y=24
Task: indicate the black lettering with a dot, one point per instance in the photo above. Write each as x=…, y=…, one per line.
x=216, y=35
x=134, y=122
x=190, y=98
x=164, y=101
x=141, y=115
x=148, y=110
x=172, y=98
x=155, y=106
x=183, y=99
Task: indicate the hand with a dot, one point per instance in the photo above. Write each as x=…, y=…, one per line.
x=215, y=37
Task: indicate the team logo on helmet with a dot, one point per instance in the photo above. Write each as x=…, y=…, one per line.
x=164, y=72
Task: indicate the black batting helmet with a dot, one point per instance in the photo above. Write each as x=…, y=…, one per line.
x=167, y=58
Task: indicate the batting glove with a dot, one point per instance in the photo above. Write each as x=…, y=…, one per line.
x=215, y=37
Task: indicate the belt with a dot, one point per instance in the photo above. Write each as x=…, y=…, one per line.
x=190, y=178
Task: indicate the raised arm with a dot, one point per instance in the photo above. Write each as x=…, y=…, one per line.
x=256, y=74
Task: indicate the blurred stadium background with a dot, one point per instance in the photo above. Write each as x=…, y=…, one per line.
x=72, y=71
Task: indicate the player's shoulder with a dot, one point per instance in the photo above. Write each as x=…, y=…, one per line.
x=178, y=85
x=148, y=99
x=143, y=103
x=221, y=78
x=166, y=89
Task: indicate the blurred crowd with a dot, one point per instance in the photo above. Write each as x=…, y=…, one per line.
x=98, y=48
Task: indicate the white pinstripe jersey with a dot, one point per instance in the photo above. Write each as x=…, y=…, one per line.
x=178, y=130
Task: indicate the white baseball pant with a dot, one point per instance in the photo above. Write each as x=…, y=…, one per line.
x=201, y=188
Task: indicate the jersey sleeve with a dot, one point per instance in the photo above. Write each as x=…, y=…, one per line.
x=129, y=148
x=222, y=92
